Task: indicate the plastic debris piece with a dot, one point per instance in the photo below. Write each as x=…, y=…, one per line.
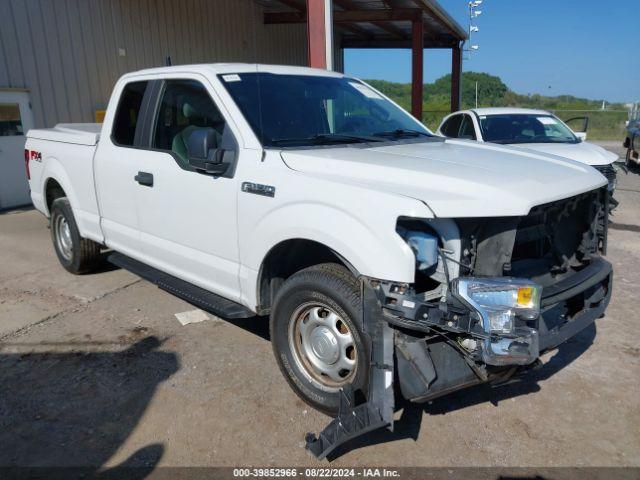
x=192, y=316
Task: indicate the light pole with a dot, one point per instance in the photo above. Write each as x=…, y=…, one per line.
x=473, y=13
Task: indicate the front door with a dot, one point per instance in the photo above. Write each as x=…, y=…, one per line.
x=16, y=118
x=187, y=220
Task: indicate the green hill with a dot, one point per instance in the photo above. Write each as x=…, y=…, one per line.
x=492, y=92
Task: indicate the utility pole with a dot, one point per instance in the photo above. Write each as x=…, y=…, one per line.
x=476, y=94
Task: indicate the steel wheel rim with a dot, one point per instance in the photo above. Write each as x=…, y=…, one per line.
x=323, y=346
x=62, y=233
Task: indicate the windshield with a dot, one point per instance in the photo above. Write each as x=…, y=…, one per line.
x=525, y=128
x=305, y=110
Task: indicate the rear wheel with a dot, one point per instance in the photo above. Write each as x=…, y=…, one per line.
x=76, y=254
x=317, y=337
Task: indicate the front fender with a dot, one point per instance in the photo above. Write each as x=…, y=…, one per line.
x=366, y=238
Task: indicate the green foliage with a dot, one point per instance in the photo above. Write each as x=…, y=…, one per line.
x=492, y=92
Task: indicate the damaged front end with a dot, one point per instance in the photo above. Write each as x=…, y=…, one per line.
x=490, y=295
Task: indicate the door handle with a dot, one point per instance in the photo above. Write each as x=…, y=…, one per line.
x=144, y=178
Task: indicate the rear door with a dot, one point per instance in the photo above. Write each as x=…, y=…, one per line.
x=16, y=118
x=116, y=167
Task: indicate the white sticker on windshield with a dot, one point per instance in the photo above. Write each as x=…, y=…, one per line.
x=231, y=78
x=547, y=120
x=366, y=91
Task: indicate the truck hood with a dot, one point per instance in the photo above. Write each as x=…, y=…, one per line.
x=583, y=152
x=455, y=178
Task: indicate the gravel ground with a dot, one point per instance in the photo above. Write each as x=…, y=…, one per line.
x=96, y=371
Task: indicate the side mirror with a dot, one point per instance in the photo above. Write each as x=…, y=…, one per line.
x=204, y=154
x=582, y=136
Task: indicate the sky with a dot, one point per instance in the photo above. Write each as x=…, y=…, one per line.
x=585, y=48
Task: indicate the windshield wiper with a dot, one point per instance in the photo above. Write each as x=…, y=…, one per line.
x=326, y=139
x=402, y=132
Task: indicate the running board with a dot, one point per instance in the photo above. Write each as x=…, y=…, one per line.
x=193, y=294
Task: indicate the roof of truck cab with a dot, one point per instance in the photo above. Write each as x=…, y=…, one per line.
x=508, y=111
x=229, y=68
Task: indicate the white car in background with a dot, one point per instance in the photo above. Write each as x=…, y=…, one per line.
x=537, y=130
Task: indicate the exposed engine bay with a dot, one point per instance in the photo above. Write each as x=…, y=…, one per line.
x=491, y=294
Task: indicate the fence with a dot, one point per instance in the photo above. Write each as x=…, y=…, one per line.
x=603, y=124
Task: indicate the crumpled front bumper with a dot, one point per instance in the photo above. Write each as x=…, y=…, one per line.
x=567, y=307
x=427, y=371
x=571, y=305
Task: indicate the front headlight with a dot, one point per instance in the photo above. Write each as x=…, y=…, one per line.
x=500, y=302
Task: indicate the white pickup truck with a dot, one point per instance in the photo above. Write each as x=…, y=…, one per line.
x=381, y=253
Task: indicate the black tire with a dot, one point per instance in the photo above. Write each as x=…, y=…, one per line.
x=334, y=286
x=82, y=255
x=630, y=163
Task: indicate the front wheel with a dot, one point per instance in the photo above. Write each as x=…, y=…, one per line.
x=76, y=254
x=630, y=163
x=317, y=337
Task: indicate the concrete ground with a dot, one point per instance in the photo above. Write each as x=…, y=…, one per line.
x=95, y=370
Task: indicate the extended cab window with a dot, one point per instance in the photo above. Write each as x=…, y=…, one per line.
x=184, y=107
x=128, y=113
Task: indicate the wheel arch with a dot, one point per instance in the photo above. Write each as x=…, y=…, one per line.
x=56, y=180
x=52, y=191
x=288, y=257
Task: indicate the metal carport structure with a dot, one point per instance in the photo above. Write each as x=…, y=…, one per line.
x=415, y=24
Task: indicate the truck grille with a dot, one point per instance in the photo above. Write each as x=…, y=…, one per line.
x=552, y=239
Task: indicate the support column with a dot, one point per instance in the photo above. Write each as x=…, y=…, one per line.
x=456, y=74
x=417, y=63
x=320, y=33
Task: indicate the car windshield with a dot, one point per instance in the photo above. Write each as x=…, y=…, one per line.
x=306, y=110
x=525, y=128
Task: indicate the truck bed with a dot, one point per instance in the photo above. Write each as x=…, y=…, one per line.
x=66, y=153
x=75, y=133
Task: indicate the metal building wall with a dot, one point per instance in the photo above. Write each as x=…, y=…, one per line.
x=69, y=53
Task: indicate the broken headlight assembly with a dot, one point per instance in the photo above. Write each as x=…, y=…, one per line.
x=506, y=306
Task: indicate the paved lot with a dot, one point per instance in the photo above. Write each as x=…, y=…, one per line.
x=97, y=371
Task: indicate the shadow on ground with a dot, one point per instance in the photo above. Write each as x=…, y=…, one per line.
x=10, y=210
x=78, y=408
x=410, y=421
